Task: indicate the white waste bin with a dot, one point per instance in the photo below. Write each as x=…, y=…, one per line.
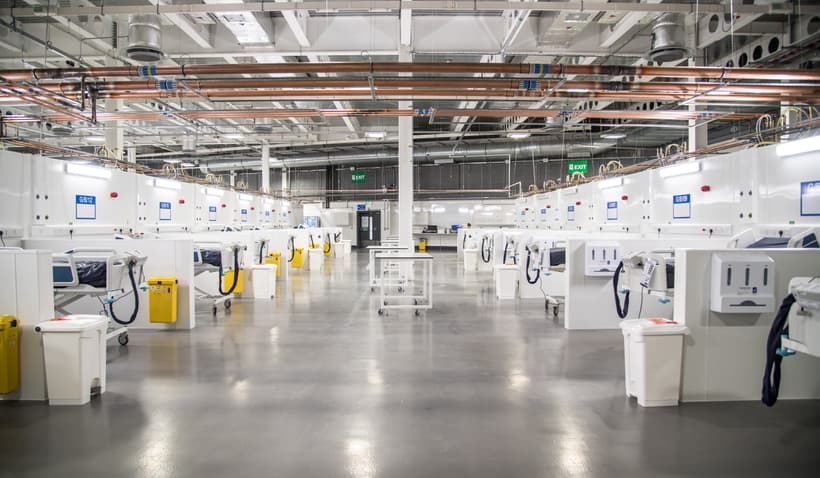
x=348, y=246
x=74, y=352
x=653, y=353
x=470, y=259
x=263, y=281
x=339, y=249
x=315, y=259
x=506, y=281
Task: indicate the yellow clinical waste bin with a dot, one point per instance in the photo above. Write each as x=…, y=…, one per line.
x=326, y=248
x=422, y=245
x=162, y=300
x=275, y=258
x=298, y=258
x=9, y=354
x=227, y=282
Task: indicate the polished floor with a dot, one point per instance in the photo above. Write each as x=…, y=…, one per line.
x=316, y=384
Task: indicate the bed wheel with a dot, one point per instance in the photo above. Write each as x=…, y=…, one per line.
x=122, y=339
x=228, y=304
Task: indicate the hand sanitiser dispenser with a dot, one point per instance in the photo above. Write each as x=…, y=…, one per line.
x=742, y=283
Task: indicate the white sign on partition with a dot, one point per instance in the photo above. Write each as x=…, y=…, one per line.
x=85, y=207
x=682, y=206
x=612, y=210
x=212, y=213
x=244, y=214
x=810, y=198
x=164, y=211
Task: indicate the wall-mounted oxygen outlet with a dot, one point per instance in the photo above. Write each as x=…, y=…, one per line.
x=601, y=259
x=742, y=283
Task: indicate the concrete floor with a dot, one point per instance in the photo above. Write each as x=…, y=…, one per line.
x=316, y=384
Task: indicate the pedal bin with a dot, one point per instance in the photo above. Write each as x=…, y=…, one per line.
x=470, y=259
x=653, y=353
x=315, y=259
x=506, y=281
x=74, y=352
x=263, y=281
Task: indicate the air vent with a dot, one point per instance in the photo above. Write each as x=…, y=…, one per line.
x=262, y=126
x=62, y=129
x=668, y=39
x=144, y=39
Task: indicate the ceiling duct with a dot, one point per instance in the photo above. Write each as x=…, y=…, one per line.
x=144, y=38
x=668, y=39
x=188, y=144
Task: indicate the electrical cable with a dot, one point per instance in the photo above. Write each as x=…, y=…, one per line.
x=484, y=248
x=262, y=250
x=771, y=375
x=235, y=273
x=136, y=299
x=326, y=248
x=621, y=310
x=527, y=270
x=291, y=248
x=640, y=309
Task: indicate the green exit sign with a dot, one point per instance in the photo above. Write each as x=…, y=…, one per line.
x=578, y=166
x=358, y=176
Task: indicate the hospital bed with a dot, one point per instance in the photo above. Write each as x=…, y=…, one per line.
x=220, y=258
x=99, y=273
x=754, y=239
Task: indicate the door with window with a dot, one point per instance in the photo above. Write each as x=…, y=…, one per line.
x=368, y=228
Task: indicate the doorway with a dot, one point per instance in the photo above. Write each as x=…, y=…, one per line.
x=368, y=228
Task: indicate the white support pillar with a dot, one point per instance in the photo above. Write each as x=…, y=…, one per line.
x=265, y=167
x=698, y=135
x=405, y=167
x=114, y=138
x=284, y=182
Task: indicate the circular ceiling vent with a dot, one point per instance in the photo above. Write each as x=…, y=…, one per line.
x=144, y=39
x=668, y=39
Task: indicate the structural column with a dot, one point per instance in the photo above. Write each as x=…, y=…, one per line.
x=265, y=167
x=405, y=167
x=698, y=135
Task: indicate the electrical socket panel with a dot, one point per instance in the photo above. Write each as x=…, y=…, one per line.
x=601, y=258
x=742, y=283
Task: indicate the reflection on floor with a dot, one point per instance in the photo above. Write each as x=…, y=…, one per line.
x=315, y=383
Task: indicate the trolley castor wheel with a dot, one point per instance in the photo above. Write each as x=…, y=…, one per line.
x=418, y=313
x=401, y=289
x=555, y=311
x=122, y=339
x=214, y=310
x=228, y=304
x=372, y=289
x=381, y=311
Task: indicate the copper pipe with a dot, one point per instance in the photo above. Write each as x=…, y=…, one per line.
x=715, y=73
x=542, y=85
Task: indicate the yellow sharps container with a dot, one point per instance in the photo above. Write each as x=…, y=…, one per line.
x=162, y=299
x=9, y=354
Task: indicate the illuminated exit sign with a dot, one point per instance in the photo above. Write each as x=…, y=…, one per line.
x=578, y=166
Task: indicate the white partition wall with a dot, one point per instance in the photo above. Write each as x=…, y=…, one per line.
x=724, y=354
x=166, y=258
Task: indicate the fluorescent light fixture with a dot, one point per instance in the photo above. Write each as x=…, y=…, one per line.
x=90, y=171
x=286, y=203
x=478, y=207
x=679, y=169
x=245, y=197
x=172, y=161
x=375, y=134
x=214, y=192
x=438, y=209
x=464, y=210
x=95, y=139
x=800, y=146
x=444, y=161
x=167, y=184
x=188, y=165
x=518, y=135
x=610, y=183
x=568, y=191
x=267, y=201
x=234, y=136
x=613, y=135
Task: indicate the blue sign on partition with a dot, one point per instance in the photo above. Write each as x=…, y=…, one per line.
x=570, y=213
x=212, y=213
x=682, y=206
x=361, y=207
x=164, y=211
x=810, y=198
x=612, y=210
x=244, y=214
x=85, y=207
